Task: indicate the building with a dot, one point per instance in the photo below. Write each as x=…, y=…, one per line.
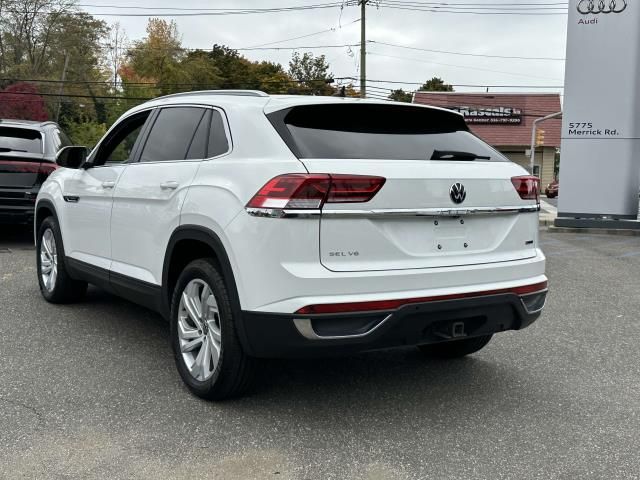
x=505, y=120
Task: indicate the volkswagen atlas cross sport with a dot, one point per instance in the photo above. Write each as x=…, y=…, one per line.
x=279, y=226
x=27, y=157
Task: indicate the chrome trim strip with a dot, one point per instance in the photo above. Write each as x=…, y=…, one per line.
x=305, y=328
x=545, y=291
x=392, y=212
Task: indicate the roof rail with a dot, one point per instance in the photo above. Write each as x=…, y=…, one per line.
x=241, y=93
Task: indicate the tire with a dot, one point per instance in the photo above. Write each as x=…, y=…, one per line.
x=205, y=327
x=55, y=283
x=455, y=348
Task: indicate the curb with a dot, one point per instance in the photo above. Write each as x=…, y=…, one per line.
x=602, y=231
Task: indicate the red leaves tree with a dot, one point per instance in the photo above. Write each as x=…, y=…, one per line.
x=21, y=101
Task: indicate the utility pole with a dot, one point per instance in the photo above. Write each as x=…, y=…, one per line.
x=64, y=76
x=363, y=48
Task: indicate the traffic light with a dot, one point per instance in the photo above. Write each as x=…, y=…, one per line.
x=539, y=138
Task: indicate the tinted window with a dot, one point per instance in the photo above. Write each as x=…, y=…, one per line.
x=377, y=132
x=20, y=140
x=218, y=142
x=198, y=148
x=118, y=146
x=122, y=151
x=171, y=134
x=58, y=139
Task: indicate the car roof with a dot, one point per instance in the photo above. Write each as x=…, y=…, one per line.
x=34, y=124
x=262, y=100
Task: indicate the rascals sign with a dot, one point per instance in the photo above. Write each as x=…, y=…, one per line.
x=501, y=115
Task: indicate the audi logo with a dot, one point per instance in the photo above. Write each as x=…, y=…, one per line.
x=595, y=7
x=457, y=193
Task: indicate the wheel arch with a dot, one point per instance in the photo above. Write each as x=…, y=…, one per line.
x=188, y=243
x=44, y=209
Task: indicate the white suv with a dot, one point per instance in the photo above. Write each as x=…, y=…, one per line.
x=271, y=226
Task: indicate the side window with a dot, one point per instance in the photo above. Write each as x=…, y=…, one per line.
x=122, y=151
x=218, y=142
x=118, y=146
x=58, y=139
x=198, y=148
x=171, y=134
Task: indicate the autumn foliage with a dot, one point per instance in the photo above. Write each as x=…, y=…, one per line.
x=21, y=101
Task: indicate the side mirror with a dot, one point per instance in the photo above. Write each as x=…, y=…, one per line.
x=72, y=157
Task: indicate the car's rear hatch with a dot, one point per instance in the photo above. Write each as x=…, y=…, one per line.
x=21, y=153
x=439, y=205
x=23, y=168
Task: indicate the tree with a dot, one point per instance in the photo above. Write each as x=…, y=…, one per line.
x=436, y=84
x=157, y=56
x=311, y=74
x=400, y=95
x=21, y=101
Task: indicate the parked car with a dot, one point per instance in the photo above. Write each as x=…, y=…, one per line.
x=280, y=226
x=552, y=189
x=27, y=157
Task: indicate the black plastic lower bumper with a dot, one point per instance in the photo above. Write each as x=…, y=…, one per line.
x=290, y=335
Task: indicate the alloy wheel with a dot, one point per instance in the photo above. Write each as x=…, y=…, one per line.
x=48, y=260
x=199, y=330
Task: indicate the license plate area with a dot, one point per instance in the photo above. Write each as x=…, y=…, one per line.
x=450, y=235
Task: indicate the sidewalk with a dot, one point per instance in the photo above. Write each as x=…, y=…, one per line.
x=548, y=213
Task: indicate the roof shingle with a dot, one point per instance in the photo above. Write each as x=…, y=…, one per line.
x=532, y=105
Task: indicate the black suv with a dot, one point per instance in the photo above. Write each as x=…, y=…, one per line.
x=27, y=157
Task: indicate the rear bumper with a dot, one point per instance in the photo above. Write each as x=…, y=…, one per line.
x=290, y=335
x=10, y=214
x=17, y=205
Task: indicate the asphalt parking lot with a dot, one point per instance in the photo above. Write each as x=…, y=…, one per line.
x=90, y=391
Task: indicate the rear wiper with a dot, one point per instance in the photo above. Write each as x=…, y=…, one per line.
x=7, y=149
x=455, y=155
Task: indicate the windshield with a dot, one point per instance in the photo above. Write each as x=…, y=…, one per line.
x=388, y=132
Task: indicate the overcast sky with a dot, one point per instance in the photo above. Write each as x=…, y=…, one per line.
x=507, y=35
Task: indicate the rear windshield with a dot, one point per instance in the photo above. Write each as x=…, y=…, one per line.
x=388, y=132
x=20, y=140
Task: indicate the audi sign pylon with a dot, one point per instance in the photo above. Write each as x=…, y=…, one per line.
x=600, y=154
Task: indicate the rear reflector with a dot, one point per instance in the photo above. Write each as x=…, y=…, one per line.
x=24, y=166
x=394, y=304
x=527, y=186
x=47, y=169
x=301, y=191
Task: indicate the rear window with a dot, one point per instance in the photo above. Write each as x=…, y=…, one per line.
x=20, y=140
x=388, y=132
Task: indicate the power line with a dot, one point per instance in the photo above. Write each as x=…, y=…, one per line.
x=204, y=9
x=460, y=66
x=475, y=11
x=181, y=13
x=463, y=53
x=480, y=7
x=298, y=47
x=334, y=29
x=208, y=49
x=201, y=85
x=501, y=4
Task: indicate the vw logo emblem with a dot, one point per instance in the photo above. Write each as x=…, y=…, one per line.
x=594, y=7
x=457, y=193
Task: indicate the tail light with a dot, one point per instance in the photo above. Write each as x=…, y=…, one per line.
x=42, y=169
x=311, y=191
x=46, y=169
x=527, y=186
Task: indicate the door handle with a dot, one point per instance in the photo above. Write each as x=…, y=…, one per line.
x=170, y=185
x=108, y=184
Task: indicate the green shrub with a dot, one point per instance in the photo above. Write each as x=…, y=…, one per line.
x=86, y=133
